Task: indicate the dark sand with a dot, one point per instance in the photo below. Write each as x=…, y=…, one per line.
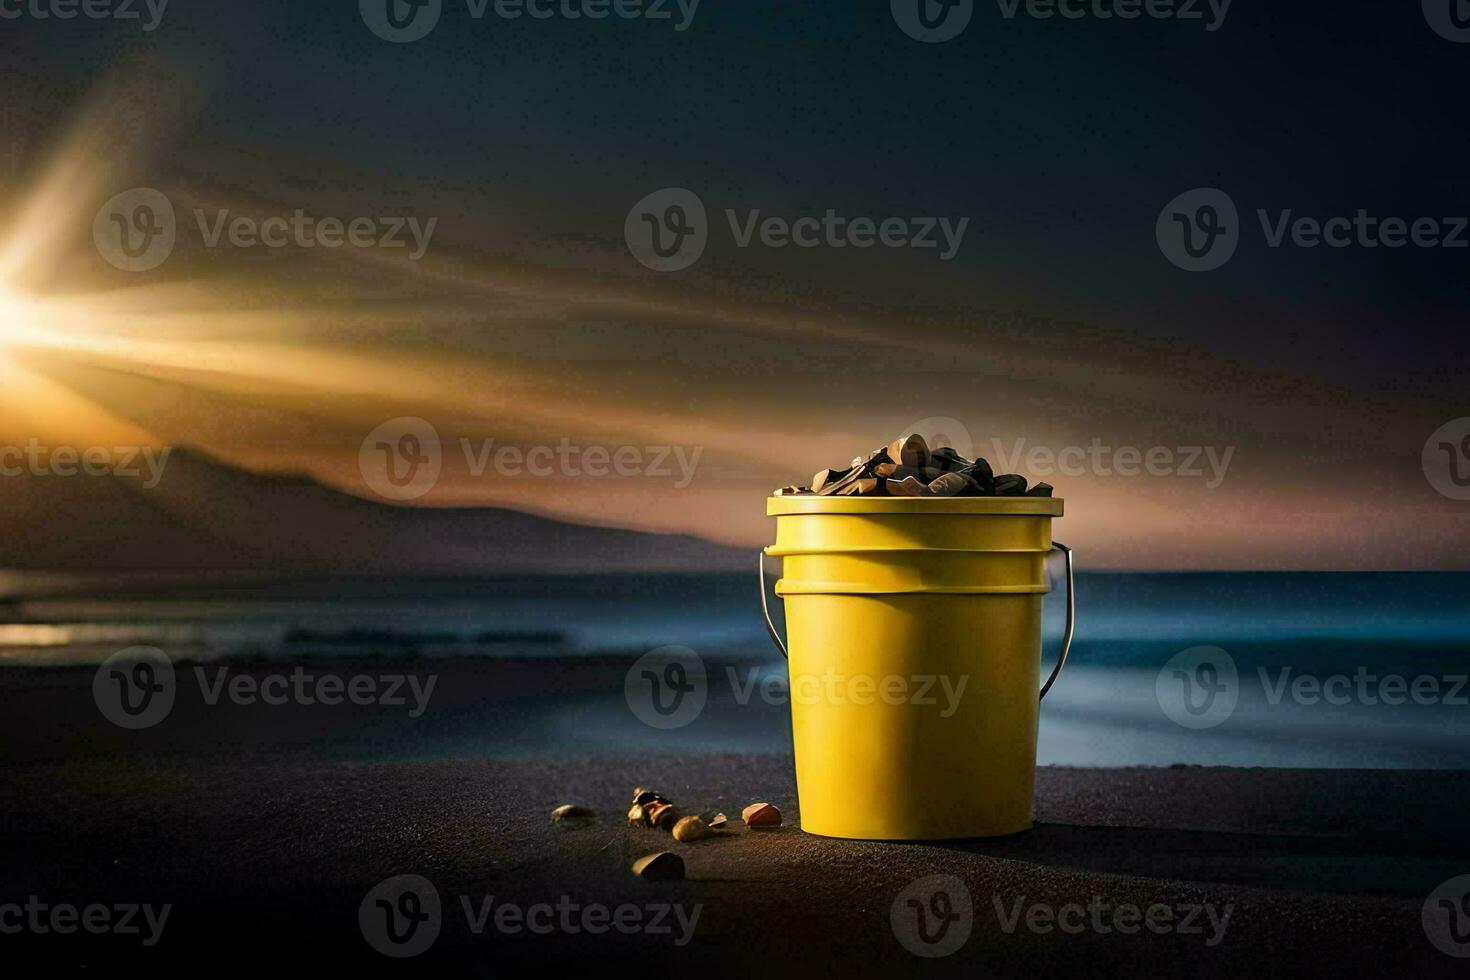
x=265, y=828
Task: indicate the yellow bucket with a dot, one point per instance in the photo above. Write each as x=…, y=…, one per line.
x=914, y=630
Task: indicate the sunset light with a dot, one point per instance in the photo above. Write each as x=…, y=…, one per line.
x=14, y=321
x=284, y=360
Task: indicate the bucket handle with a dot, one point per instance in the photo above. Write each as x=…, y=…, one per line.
x=1067, y=633
x=1071, y=627
x=766, y=609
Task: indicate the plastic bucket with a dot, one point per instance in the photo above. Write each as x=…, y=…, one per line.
x=914, y=640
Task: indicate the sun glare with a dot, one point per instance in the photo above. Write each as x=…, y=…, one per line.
x=21, y=324
x=13, y=320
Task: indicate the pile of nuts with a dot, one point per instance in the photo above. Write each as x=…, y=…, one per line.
x=907, y=467
x=649, y=809
x=652, y=810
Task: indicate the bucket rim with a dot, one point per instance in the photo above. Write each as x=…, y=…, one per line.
x=992, y=506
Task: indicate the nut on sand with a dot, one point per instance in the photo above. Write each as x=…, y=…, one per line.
x=571, y=813
x=660, y=815
x=663, y=866
x=651, y=809
x=691, y=828
x=761, y=816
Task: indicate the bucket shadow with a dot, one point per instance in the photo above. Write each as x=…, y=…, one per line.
x=1343, y=865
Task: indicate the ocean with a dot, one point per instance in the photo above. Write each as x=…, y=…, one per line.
x=1330, y=670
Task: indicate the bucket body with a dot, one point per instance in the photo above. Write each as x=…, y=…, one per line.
x=914, y=636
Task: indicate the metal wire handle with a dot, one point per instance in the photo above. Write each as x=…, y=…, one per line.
x=1071, y=619
x=766, y=609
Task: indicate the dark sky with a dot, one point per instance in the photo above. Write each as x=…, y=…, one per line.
x=1059, y=320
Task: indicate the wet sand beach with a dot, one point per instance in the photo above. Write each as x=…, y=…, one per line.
x=265, y=828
